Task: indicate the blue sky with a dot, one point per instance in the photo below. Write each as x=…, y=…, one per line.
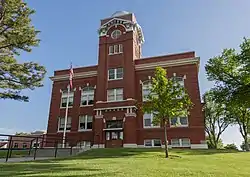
x=69, y=33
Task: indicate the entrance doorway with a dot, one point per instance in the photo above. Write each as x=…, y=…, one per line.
x=114, y=134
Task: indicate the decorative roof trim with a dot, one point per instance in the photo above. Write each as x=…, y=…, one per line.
x=76, y=76
x=127, y=24
x=179, y=62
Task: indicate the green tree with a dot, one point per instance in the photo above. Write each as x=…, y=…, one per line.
x=231, y=73
x=243, y=146
x=217, y=118
x=211, y=146
x=167, y=99
x=17, y=35
x=231, y=146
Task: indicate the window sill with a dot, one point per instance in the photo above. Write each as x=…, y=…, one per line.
x=87, y=105
x=115, y=79
x=65, y=107
x=83, y=130
x=61, y=131
x=179, y=126
x=115, y=53
x=152, y=127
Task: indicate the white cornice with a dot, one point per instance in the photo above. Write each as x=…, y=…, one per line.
x=76, y=76
x=118, y=107
x=179, y=62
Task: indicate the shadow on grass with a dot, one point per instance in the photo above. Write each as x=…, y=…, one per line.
x=47, y=169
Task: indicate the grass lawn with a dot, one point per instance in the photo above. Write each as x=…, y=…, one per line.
x=15, y=153
x=137, y=163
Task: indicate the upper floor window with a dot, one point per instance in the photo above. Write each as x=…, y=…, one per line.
x=61, y=123
x=115, y=73
x=148, y=121
x=64, y=99
x=85, y=122
x=180, y=80
x=146, y=88
x=115, y=94
x=179, y=121
x=116, y=34
x=87, y=97
x=115, y=49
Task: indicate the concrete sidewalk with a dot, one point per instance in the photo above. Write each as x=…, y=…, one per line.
x=23, y=159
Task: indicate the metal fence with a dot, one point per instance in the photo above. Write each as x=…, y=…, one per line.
x=35, y=142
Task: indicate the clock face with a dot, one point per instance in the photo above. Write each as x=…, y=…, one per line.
x=116, y=34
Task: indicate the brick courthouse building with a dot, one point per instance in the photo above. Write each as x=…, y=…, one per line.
x=102, y=106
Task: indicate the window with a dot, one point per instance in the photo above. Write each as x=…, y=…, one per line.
x=24, y=145
x=148, y=121
x=116, y=73
x=64, y=99
x=116, y=34
x=152, y=143
x=16, y=145
x=114, y=135
x=179, y=80
x=85, y=122
x=146, y=88
x=61, y=124
x=84, y=144
x=179, y=122
x=114, y=124
x=36, y=145
x=115, y=49
x=183, y=142
x=115, y=94
x=87, y=97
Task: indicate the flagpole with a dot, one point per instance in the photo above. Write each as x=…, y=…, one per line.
x=66, y=118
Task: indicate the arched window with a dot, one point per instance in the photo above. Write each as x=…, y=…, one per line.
x=116, y=34
x=87, y=97
x=146, y=88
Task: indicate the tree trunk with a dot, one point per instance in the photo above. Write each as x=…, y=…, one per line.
x=166, y=139
x=246, y=144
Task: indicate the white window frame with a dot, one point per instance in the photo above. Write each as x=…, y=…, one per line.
x=116, y=34
x=115, y=74
x=151, y=119
x=115, y=94
x=152, y=142
x=180, y=80
x=58, y=124
x=146, y=85
x=115, y=49
x=180, y=142
x=71, y=99
x=87, y=93
x=83, y=144
x=178, y=122
x=85, y=122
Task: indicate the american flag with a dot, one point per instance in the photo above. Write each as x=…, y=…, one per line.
x=71, y=74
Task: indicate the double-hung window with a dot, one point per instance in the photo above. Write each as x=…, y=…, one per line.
x=85, y=122
x=182, y=142
x=152, y=143
x=115, y=73
x=115, y=94
x=61, y=123
x=146, y=89
x=87, y=97
x=64, y=99
x=148, y=121
x=179, y=121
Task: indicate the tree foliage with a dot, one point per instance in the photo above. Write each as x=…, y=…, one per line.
x=231, y=73
x=167, y=99
x=217, y=118
x=211, y=146
x=243, y=145
x=17, y=35
x=231, y=146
